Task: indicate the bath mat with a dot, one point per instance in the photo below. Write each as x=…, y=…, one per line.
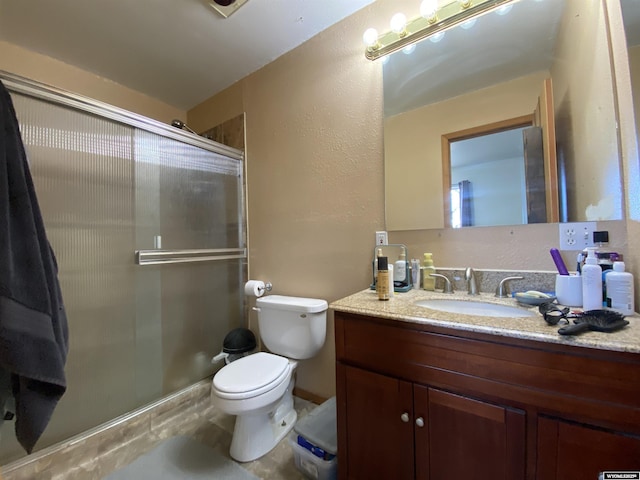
x=181, y=458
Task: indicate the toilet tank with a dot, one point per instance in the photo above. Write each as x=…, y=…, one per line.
x=294, y=327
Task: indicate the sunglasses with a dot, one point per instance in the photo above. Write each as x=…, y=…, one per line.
x=553, y=315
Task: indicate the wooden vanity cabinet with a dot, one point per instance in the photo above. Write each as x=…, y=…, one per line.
x=417, y=401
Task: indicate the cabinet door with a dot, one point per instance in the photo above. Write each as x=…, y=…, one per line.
x=467, y=438
x=379, y=424
x=568, y=451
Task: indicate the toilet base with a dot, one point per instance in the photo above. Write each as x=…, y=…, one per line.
x=257, y=433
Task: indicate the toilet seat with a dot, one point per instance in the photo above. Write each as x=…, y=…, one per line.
x=251, y=376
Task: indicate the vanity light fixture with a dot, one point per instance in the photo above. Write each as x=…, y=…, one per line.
x=398, y=24
x=432, y=21
x=429, y=10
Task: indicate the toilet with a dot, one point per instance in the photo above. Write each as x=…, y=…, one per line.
x=258, y=388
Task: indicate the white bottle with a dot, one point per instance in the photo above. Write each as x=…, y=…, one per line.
x=591, y=283
x=620, y=290
x=391, y=270
x=400, y=269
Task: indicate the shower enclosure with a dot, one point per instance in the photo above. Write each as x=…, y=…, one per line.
x=148, y=226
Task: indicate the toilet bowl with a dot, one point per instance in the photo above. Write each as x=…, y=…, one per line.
x=258, y=388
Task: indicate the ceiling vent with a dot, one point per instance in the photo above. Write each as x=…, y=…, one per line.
x=226, y=7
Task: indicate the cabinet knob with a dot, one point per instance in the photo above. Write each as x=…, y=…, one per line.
x=404, y=417
x=420, y=422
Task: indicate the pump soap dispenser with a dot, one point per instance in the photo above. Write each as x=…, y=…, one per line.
x=428, y=282
x=591, y=283
x=400, y=269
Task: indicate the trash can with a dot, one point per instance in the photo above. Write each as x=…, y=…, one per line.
x=314, y=441
x=238, y=343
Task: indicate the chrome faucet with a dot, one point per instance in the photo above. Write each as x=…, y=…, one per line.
x=503, y=288
x=470, y=277
x=447, y=283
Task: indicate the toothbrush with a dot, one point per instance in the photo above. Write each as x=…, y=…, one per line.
x=557, y=258
x=579, y=260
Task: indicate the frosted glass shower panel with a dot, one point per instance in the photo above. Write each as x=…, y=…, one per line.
x=193, y=195
x=191, y=199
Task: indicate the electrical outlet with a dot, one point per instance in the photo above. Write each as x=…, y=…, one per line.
x=381, y=238
x=576, y=235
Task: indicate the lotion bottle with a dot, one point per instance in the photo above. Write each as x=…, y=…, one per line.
x=591, y=283
x=400, y=269
x=382, y=285
x=620, y=290
x=428, y=282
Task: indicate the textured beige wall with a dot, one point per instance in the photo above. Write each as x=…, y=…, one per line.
x=214, y=111
x=17, y=60
x=314, y=177
x=413, y=153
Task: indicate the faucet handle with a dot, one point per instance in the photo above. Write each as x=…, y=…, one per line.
x=503, y=289
x=447, y=283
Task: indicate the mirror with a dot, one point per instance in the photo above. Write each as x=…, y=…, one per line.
x=631, y=18
x=492, y=72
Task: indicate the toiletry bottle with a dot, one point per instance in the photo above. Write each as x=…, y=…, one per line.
x=400, y=269
x=605, y=257
x=415, y=273
x=375, y=266
x=428, y=282
x=390, y=269
x=382, y=284
x=591, y=283
x=620, y=290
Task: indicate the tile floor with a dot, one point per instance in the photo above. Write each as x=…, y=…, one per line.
x=93, y=457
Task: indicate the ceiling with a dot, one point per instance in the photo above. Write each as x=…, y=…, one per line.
x=178, y=51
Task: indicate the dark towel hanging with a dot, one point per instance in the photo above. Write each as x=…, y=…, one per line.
x=33, y=322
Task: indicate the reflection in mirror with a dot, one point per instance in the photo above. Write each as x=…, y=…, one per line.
x=631, y=16
x=498, y=70
x=488, y=183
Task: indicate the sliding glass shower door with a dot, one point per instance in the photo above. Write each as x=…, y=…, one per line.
x=149, y=234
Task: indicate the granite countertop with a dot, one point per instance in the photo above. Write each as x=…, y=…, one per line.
x=402, y=307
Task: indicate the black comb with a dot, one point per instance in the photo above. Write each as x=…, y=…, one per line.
x=597, y=320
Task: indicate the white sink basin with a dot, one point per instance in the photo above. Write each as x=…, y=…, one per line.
x=482, y=309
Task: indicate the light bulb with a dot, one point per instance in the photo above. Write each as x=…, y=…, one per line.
x=436, y=37
x=370, y=37
x=398, y=23
x=408, y=50
x=503, y=10
x=428, y=8
x=464, y=4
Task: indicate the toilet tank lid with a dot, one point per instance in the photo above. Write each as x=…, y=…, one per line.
x=299, y=304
